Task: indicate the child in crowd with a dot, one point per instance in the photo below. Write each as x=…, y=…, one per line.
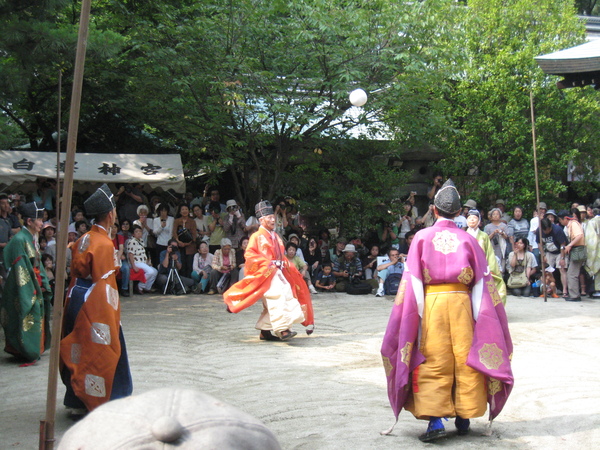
x=48, y=264
x=549, y=284
x=325, y=280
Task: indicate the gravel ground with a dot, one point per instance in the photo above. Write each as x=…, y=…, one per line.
x=327, y=391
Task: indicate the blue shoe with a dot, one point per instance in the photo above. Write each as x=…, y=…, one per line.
x=462, y=425
x=435, y=430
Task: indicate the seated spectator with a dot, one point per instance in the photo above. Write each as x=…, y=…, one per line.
x=202, y=267
x=369, y=263
x=348, y=268
x=521, y=266
x=163, y=227
x=325, y=280
x=78, y=216
x=395, y=266
x=518, y=227
x=119, y=244
x=296, y=240
x=240, y=259
x=234, y=224
x=223, y=264
x=338, y=251
x=171, y=259
x=407, y=241
x=185, y=233
x=313, y=257
x=140, y=262
x=290, y=253
x=324, y=239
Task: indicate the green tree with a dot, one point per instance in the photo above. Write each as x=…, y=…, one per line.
x=491, y=152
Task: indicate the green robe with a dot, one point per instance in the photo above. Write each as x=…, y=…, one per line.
x=25, y=309
x=490, y=255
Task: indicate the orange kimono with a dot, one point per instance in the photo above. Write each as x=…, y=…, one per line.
x=93, y=357
x=264, y=248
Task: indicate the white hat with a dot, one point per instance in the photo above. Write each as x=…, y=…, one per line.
x=225, y=241
x=231, y=203
x=349, y=248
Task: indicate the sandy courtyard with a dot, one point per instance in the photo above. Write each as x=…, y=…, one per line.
x=327, y=391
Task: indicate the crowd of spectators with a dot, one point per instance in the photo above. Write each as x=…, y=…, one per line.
x=196, y=243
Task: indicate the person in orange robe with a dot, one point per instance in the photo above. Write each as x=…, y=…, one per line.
x=94, y=364
x=270, y=277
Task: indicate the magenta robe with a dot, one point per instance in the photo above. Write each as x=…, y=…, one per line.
x=442, y=254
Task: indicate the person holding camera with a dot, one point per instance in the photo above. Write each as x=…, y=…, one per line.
x=215, y=222
x=235, y=224
x=348, y=268
x=170, y=259
x=185, y=233
x=437, y=184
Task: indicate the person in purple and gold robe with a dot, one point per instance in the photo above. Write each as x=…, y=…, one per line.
x=447, y=348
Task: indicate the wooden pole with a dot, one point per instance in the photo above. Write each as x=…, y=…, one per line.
x=47, y=426
x=537, y=192
x=58, y=127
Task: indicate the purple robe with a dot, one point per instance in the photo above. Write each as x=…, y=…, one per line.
x=442, y=254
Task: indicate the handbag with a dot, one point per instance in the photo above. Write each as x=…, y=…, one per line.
x=518, y=277
x=578, y=253
x=184, y=235
x=223, y=283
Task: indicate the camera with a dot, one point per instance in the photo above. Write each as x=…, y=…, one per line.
x=173, y=248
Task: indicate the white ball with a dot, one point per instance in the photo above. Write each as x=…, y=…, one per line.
x=358, y=97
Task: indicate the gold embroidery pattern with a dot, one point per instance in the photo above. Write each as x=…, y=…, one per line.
x=494, y=386
x=268, y=272
x=29, y=250
x=23, y=276
x=28, y=322
x=493, y=292
x=426, y=276
x=490, y=356
x=445, y=242
x=466, y=275
x=263, y=243
x=387, y=365
x=406, y=353
x=400, y=295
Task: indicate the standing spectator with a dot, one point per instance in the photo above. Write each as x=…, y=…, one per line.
x=576, y=251
x=497, y=232
x=518, y=226
x=234, y=224
x=428, y=218
x=501, y=205
x=202, y=267
x=521, y=267
x=201, y=225
x=45, y=194
x=388, y=235
x=281, y=222
x=215, y=226
x=139, y=260
x=437, y=184
x=184, y=231
x=405, y=223
x=554, y=241
x=129, y=197
x=209, y=200
x=125, y=230
x=48, y=265
x=144, y=222
x=324, y=239
x=27, y=296
x=223, y=264
x=163, y=227
x=534, y=225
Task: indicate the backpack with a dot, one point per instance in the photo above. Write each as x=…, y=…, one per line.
x=359, y=288
x=391, y=284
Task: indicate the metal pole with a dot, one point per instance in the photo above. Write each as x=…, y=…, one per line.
x=47, y=426
x=537, y=192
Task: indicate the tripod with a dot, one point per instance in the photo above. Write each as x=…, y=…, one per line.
x=172, y=279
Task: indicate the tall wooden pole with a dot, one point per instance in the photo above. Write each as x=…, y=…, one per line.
x=58, y=127
x=537, y=192
x=47, y=426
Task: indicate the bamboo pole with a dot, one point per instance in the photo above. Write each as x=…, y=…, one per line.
x=537, y=192
x=47, y=426
x=58, y=127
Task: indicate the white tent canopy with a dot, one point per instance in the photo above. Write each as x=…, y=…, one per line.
x=19, y=168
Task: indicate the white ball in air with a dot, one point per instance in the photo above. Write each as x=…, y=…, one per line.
x=358, y=97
